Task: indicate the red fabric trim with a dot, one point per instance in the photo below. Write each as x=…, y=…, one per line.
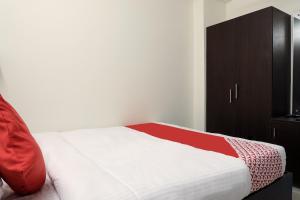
x=195, y=139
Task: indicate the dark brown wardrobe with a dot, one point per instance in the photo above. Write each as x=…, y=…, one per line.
x=248, y=73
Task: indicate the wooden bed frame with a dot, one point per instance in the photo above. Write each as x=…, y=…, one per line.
x=279, y=190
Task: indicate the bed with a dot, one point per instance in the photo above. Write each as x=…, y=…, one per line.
x=127, y=163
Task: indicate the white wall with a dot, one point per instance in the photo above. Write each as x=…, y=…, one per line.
x=206, y=13
x=236, y=8
x=215, y=12
x=68, y=64
x=199, y=66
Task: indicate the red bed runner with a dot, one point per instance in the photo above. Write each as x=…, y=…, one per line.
x=264, y=162
x=200, y=141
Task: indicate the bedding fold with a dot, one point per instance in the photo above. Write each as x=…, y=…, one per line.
x=264, y=162
x=120, y=163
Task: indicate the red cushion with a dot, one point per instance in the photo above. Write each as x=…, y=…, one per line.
x=22, y=165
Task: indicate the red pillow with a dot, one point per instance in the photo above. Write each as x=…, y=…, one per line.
x=22, y=165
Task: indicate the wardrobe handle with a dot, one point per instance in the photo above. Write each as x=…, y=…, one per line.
x=236, y=91
x=274, y=133
x=230, y=96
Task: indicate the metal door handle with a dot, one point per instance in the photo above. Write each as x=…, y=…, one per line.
x=236, y=91
x=274, y=133
x=230, y=96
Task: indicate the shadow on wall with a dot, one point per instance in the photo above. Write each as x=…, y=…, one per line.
x=1, y=80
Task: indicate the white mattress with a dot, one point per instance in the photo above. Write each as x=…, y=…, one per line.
x=121, y=164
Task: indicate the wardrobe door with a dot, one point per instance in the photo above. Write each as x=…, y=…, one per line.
x=281, y=63
x=296, y=93
x=254, y=83
x=220, y=75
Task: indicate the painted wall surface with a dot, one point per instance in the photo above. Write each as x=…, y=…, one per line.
x=237, y=8
x=215, y=12
x=69, y=64
x=206, y=13
x=199, y=92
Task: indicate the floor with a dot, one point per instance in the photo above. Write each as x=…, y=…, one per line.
x=296, y=194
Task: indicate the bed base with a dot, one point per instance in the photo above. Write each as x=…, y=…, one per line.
x=279, y=190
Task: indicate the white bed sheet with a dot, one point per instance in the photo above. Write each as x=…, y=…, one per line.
x=280, y=149
x=122, y=164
